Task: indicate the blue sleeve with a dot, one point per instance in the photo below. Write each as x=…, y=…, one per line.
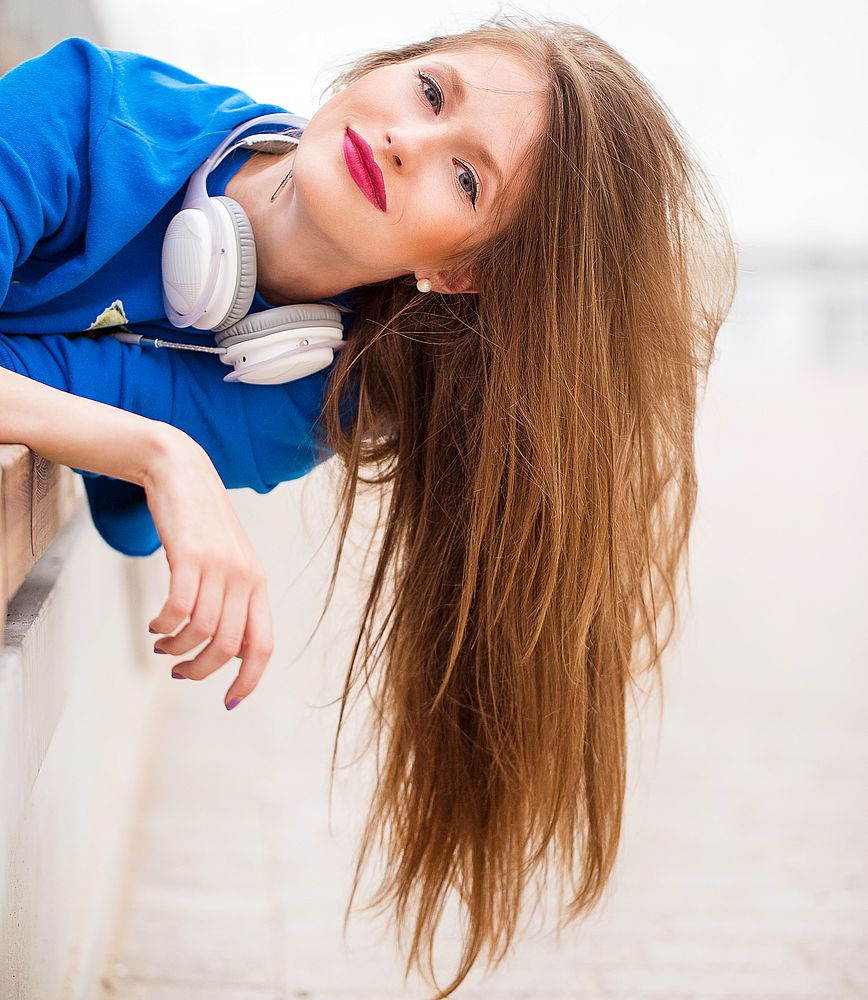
x=256, y=435
x=52, y=108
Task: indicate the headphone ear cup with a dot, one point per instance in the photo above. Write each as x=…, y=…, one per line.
x=245, y=283
x=262, y=347
x=318, y=317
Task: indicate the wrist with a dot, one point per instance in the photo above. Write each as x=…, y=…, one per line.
x=167, y=447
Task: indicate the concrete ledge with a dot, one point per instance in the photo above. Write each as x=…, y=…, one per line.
x=78, y=697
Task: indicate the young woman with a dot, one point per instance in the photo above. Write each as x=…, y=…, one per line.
x=532, y=269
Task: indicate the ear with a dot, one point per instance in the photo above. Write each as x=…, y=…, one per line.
x=453, y=283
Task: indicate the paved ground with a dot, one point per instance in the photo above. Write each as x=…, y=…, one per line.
x=744, y=864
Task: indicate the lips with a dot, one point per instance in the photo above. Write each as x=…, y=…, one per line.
x=363, y=168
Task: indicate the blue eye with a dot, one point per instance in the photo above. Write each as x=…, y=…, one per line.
x=427, y=82
x=473, y=189
x=430, y=85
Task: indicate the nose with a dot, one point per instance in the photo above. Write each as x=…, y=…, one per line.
x=411, y=145
x=390, y=152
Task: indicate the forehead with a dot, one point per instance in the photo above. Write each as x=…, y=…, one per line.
x=491, y=70
x=492, y=81
x=500, y=97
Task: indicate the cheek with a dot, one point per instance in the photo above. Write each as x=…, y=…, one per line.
x=436, y=220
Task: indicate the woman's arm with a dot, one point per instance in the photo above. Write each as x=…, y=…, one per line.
x=81, y=433
x=216, y=579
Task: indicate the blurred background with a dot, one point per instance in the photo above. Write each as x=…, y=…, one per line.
x=744, y=863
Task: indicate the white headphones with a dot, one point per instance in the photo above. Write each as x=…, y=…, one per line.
x=209, y=280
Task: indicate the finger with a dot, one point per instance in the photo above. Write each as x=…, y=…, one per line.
x=204, y=619
x=183, y=590
x=227, y=640
x=257, y=648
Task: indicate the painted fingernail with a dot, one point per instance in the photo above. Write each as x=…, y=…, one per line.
x=231, y=704
x=158, y=650
x=177, y=676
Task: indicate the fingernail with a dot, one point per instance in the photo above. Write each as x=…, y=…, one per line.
x=153, y=631
x=230, y=705
x=177, y=676
x=158, y=650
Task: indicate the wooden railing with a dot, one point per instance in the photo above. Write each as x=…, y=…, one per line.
x=37, y=498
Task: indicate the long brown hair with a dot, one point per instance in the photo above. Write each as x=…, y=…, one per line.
x=535, y=443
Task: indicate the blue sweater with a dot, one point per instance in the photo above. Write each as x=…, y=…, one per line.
x=96, y=148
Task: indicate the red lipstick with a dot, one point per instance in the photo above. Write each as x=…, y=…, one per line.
x=363, y=168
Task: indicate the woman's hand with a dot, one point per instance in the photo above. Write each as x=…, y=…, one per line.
x=217, y=580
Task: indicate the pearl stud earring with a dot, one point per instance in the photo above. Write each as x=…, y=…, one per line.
x=424, y=285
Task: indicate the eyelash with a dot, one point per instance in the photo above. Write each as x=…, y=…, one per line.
x=430, y=81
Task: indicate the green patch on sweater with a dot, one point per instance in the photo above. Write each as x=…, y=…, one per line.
x=114, y=315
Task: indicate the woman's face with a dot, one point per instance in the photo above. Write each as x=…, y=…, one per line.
x=431, y=144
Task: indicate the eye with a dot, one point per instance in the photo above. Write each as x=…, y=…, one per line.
x=430, y=86
x=473, y=189
x=430, y=83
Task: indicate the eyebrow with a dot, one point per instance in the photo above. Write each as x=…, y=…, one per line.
x=460, y=91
